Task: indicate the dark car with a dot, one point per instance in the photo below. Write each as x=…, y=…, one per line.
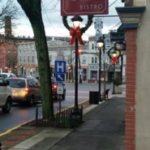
x=58, y=89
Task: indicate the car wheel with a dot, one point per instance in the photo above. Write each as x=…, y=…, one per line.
x=31, y=101
x=7, y=107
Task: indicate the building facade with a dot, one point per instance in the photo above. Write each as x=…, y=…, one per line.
x=61, y=50
x=28, y=64
x=8, y=48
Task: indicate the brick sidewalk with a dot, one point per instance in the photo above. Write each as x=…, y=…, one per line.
x=23, y=133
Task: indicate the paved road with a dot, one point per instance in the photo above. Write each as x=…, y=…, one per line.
x=20, y=114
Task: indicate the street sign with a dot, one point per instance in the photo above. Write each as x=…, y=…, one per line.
x=117, y=36
x=60, y=77
x=60, y=90
x=83, y=7
x=60, y=67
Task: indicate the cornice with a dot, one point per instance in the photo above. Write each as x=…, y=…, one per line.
x=130, y=16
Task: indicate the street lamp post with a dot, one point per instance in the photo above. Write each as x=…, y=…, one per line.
x=121, y=67
x=76, y=33
x=69, y=73
x=100, y=44
x=120, y=46
x=113, y=79
x=79, y=52
x=76, y=23
x=114, y=59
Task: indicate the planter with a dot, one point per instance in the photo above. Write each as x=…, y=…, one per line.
x=118, y=90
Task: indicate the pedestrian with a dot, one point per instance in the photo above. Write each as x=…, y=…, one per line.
x=0, y=146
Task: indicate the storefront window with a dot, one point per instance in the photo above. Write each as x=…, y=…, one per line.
x=93, y=75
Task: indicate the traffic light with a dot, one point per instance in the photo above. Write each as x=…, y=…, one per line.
x=79, y=51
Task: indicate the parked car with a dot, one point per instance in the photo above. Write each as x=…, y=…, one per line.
x=25, y=90
x=7, y=75
x=5, y=96
x=58, y=89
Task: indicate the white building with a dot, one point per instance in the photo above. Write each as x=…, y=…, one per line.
x=27, y=57
x=88, y=62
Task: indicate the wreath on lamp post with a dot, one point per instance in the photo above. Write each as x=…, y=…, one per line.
x=89, y=22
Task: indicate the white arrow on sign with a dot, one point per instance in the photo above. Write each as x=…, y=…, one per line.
x=60, y=77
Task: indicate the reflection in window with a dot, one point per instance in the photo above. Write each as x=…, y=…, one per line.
x=32, y=58
x=92, y=60
x=83, y=60
x=8, y=52
x=14, y=52
x=92, y=46
x=96, y=60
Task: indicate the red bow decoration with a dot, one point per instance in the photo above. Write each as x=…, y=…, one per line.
x=76, y=33
x=114, y=60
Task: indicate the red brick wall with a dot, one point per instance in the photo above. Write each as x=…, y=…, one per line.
x=4, y=47
x=131, y=35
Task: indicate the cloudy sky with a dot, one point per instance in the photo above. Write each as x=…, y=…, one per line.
x=53, y=20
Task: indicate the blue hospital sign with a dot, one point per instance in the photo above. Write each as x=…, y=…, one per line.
x=60, y=67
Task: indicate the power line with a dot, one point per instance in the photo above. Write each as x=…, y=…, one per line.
x=51, y=22
x=47, y=4
x=115, y=25
x=54, y=6
x=112, y=3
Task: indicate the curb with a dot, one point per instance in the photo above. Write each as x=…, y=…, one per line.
x=16, y=127
x=54, y=133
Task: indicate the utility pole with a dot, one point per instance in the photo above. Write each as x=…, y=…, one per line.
x=98, y=25
x=104, y=64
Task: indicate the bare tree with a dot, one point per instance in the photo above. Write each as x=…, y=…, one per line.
x=7, y=8
x=32, y=9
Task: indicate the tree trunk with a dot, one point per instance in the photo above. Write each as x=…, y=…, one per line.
x=32, y=9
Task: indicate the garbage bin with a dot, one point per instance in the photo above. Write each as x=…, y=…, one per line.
x=93, y=97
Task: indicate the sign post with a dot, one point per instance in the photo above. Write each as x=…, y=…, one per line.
x=60, y=70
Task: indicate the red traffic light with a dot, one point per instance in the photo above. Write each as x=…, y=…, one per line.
x=79, y=51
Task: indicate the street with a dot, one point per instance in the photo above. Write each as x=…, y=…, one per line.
x=20, y=114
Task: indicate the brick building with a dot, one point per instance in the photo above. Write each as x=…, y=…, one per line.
x=8, y=48
x=135, y=20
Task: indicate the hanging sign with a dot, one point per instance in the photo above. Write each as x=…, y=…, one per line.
x=83, y=7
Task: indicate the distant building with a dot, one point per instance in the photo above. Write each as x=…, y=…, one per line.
x=88, y=62
x=8, y=48
x=27, y=57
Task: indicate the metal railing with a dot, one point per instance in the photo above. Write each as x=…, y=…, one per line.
x=64, y=118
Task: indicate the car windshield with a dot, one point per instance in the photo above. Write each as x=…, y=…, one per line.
x=3, y=75
x=16, y=83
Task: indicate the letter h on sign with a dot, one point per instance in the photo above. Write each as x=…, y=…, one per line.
x=60, y=67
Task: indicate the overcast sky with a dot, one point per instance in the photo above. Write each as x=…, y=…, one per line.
x=53, y=20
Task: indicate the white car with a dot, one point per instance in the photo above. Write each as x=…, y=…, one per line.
x=7, y=75
x=5, y=96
